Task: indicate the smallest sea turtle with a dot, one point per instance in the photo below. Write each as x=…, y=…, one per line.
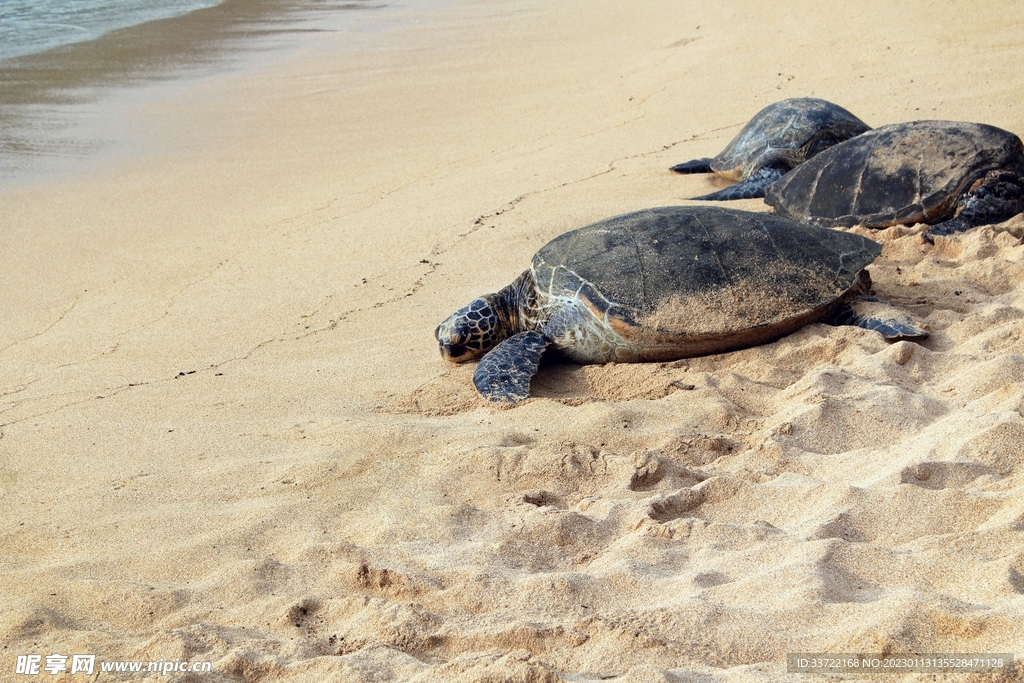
x=778, y=138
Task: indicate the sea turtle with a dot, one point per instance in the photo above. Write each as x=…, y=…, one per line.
x=778, y=138
x=663, y=284
x=950, y=174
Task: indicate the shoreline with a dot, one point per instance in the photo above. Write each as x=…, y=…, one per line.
x=67, y=106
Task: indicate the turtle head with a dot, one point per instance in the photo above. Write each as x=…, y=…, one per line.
x=470, y=332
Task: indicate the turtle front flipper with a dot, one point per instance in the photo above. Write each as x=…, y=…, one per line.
x=693, y=166
x=504, y=374
x=871, y=314
x=993, y=199
x=752, y=188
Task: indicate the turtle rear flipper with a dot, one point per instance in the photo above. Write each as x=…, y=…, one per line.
x=993, y=199
x=694, y=166
x=872, y=314
x=752, y=188
x=821, y=141
x=505, y=372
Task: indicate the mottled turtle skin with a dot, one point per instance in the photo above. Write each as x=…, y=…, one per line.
x=780, y=137
x=952, y=175
x=663, y=284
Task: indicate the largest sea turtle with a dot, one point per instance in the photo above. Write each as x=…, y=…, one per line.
x=953, y=175
x=779, y=137
x=663, y=284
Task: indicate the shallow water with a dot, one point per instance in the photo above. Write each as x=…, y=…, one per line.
x=31, y=26
x=60, y=97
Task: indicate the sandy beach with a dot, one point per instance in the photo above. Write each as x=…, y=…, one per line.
x=227, y=436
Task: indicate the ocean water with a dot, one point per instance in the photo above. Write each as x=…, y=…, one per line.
x=70, y=69
x=30, y=26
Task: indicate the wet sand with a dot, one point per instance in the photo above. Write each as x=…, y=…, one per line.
x=62, y=108
x=226, y=434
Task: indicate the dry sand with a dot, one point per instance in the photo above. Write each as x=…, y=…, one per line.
x=227, y=434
